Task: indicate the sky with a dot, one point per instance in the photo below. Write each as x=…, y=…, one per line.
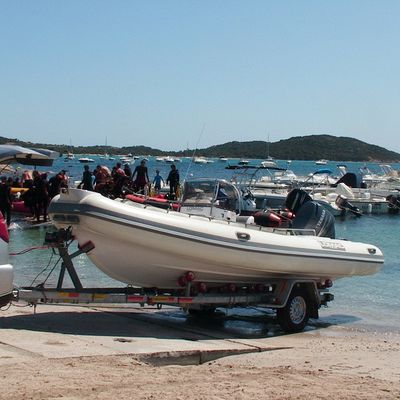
x=183, y=74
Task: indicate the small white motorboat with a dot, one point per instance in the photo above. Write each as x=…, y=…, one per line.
x=200, y=160
x=85, y=160
x=69, y=157
x=152, y=247
x=269, y=163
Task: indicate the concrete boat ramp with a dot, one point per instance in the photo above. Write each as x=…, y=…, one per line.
x=158, y=337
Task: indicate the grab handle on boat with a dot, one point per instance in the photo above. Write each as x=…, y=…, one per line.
x=243, y=236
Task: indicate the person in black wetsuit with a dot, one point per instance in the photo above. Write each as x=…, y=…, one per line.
x=57, y=182
x=142, y=177
x=87, y=181
x=173, y=180
x=41, y=195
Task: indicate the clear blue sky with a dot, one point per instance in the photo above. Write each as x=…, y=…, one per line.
x=176, y=74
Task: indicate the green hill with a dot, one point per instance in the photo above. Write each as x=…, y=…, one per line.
x=311, y=147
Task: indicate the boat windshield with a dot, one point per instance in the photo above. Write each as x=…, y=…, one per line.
x=210, y=193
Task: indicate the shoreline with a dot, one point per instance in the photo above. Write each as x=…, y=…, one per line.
x=97, y=353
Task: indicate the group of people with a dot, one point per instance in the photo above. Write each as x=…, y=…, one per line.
x=112, y=183
x=36, y=189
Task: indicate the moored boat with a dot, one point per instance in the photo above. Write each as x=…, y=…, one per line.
x=200, y=160
x=85, y=160
x=69, y=157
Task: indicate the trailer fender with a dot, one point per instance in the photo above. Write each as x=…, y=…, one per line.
x=313, y=300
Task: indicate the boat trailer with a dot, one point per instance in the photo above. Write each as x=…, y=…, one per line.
x=295, y=300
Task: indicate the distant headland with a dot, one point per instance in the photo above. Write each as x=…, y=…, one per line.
x=311, y=147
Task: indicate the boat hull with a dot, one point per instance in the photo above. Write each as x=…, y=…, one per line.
x=151, y=247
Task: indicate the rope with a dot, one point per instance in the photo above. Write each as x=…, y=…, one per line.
x=44, y=270
x=27, y=250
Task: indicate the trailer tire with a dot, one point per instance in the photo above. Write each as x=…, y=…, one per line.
x=294, y=316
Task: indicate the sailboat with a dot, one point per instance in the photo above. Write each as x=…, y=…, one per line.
x=106, y=155
x=269, y=162
x=70, y=155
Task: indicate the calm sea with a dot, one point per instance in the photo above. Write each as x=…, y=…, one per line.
x=371, y=302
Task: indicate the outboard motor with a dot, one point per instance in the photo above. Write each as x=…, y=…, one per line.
x=342, y=202
x=296, y=198
x=312, y=215
x=350, y=179
x=393, y=203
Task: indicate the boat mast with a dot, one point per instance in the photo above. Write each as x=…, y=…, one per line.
x=268, y=157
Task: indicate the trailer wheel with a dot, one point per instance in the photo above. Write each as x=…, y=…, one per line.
x=294, y=316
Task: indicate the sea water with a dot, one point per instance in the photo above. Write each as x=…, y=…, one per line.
x=371, y=302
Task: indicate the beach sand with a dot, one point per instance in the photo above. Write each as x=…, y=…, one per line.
x=69, y=353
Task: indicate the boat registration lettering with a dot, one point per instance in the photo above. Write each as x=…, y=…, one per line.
x=332, y=245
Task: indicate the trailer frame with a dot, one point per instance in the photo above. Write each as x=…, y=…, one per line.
x=294, y=299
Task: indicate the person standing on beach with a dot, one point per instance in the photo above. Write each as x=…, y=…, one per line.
x=173, y=180
x=26, y=179
x=57, y=182
x=41, y=196
x=87, y=181
x=119, y=179
x=142, y=177
x=5, y=200
x=157, y=181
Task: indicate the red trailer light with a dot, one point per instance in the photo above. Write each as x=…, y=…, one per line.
x=189, y=276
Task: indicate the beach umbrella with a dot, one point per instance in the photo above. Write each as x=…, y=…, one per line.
x=17, y=154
